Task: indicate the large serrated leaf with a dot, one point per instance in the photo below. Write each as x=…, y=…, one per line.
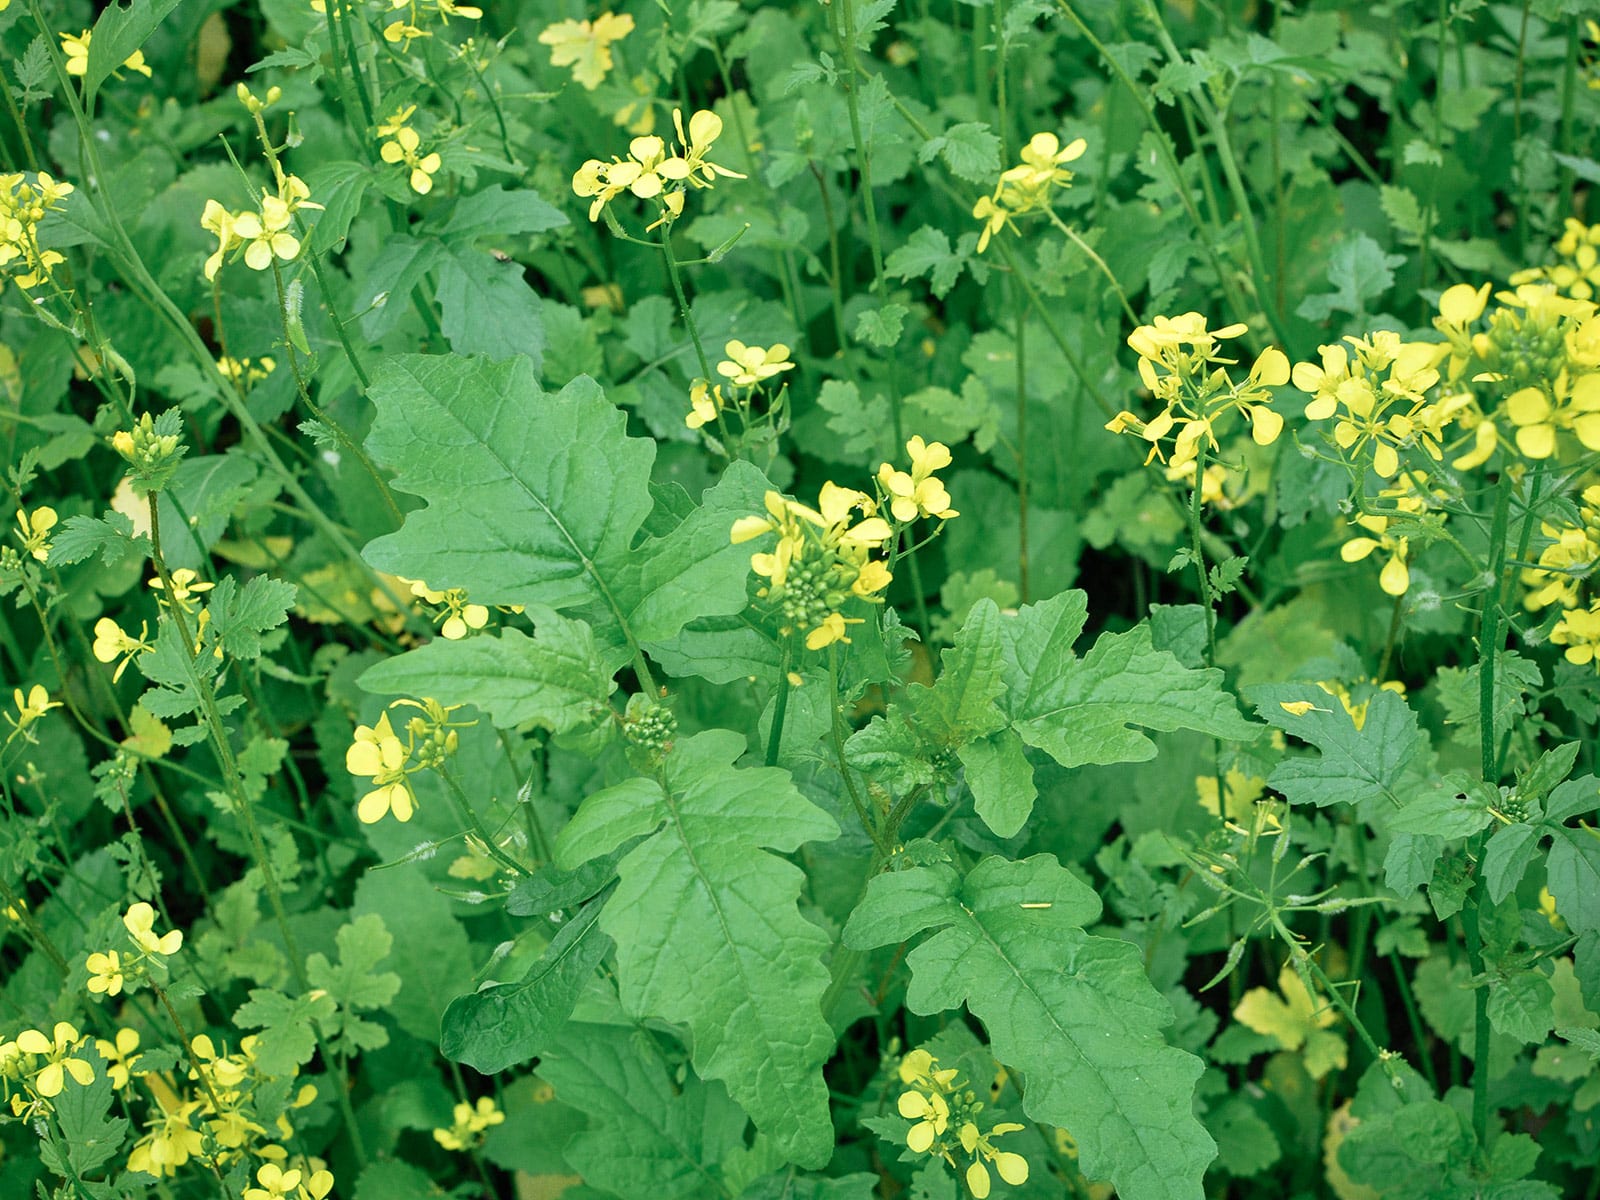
x=1355, y=766
x=531, y=498
x=554, y=678
x=708, y=932
x=1074, y=1012
x=1092, y=710
x=648, y=1135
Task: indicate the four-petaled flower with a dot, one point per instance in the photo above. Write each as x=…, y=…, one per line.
x=747, y=366
x=378, y=754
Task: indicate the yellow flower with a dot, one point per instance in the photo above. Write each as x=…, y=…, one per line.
x=705, y=127
x=1012, y=1168
x=279, y=1184
x=29, y=709
x=105, y=973
x=830, y=631
x=931, y=1113
x=396, y=121
x=995, y=217
x=918, y=493
x=747, y=366
x=35, y=530
x=60, y=1050
x=266, y=234
x=402, y=148
x=172, y=1141
x=378, y=754
x=471, y=1122
x=111, y=643
x=76, y=48
x=705, y=402
x=585, y=46
x=186, y=585
x=140, y=920
x=119, y=1056
x=1395, y=578
x=1579, y=631
x=223, y=225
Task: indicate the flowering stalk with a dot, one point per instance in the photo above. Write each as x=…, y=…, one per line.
x=223, y=749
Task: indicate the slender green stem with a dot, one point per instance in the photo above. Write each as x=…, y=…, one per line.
x=780, y=706
x=1019, y=304
x=318, y=414
x=843, y=13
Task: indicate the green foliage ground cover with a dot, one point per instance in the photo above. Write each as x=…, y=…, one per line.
x=855, y=600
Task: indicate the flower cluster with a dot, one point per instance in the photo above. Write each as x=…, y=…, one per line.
x=1538, y=352
x=823, y=558
x=651, y=173
x=245, y=373
x=1377, y=398
x=1566, y=569
x=1576, y=271
x=263, y=232
x=403, y=147
x=585, y=46
x=377, y=753
x=23, y=206
x=293, y=1184
x=917, y=493
x=110, y=971
x=945, y=1113
x=224, y=1109
x=1180, y=362
x=470, y=1125
x=35, y=1067
x=403, y=30
x=1029, y=186
x=746, y=370
x=1408, y=501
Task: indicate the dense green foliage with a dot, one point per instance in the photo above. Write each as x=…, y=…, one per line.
x=746, y=601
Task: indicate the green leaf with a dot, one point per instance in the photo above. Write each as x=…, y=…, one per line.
x=88, y=1137
x=554, y=679
x=1000, y=778
x=504, y=1024
x=1074, y=1012
x=288, y=1038
x=881, y=327
x=79, y=538
x=532, y=499
x=961, y=704
x=432, y=962
x=501, y=212
x=356, y=983
x=116, y=35
x=708, y=932
x=1520, y=1006
x=1354, y=766
x=927, y=253
x=339, y=187
x=239, y=616
x=487, y=307
x=1511, y=851
x=696, y=570
x=1092, y=710
x=1574, y=877
x=971, y=151
x=1452, y=807
x=649, y=1135
x=1574, y=798
x=1360, y=273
